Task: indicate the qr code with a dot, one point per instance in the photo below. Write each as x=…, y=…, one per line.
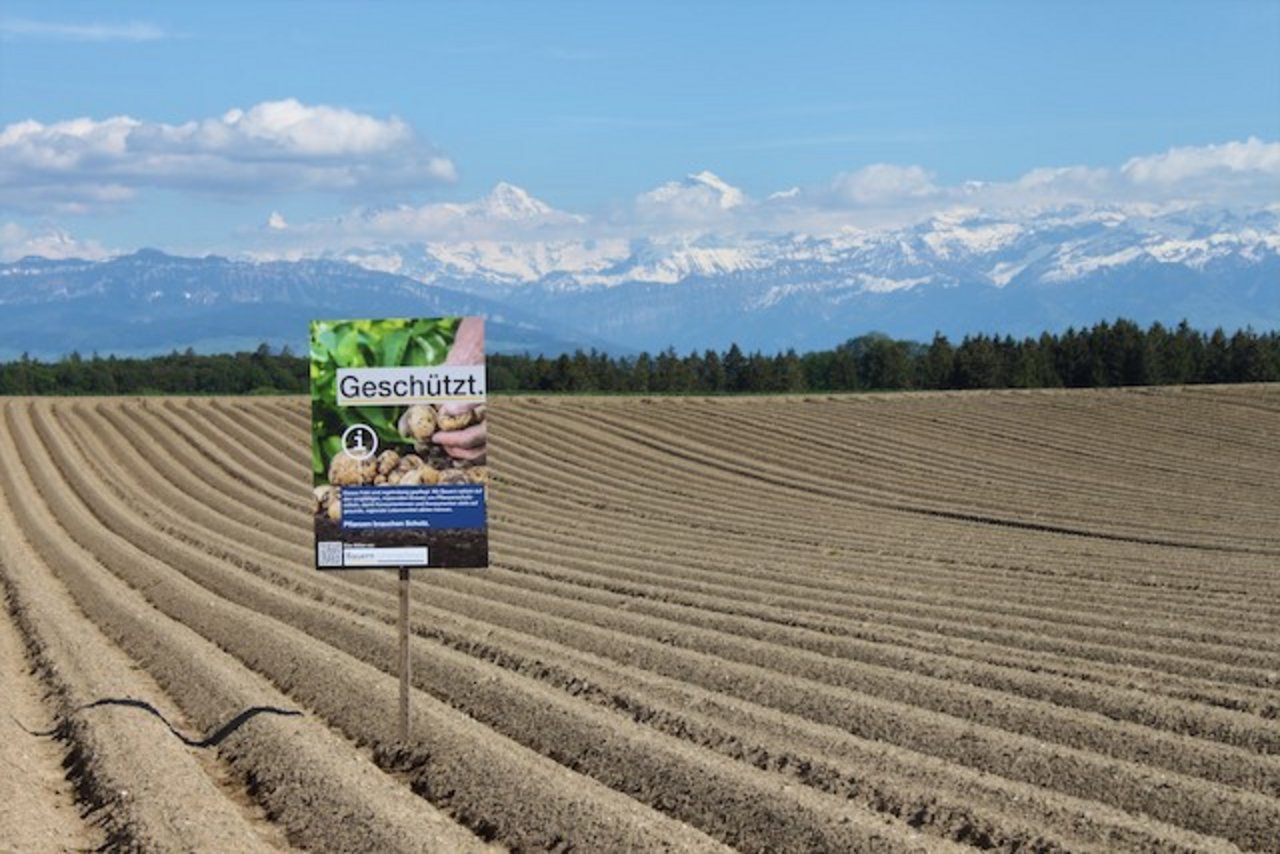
x=329, y=553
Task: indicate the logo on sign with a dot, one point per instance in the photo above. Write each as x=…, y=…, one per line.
x=359, y=442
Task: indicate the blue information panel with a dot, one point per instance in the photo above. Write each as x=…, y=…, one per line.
x=367, y=508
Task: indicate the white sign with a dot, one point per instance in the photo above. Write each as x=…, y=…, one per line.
x=396, y=386
x=384, y=556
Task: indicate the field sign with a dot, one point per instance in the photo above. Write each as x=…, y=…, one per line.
x=399, y=431
x=399, y=441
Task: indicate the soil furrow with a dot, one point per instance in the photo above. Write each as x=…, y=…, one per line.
x=38, y=809
x=734, y=803
x=452, y=679
x=1022, y=621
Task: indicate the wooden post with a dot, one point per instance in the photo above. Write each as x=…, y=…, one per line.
x=404, y=654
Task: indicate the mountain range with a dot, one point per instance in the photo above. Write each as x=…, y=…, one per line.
x=956, y=272
x=149, y=302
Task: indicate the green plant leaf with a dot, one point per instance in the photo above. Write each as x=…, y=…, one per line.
x=393, y=347
x=347, y=352
x=327, y=340
x=416, y=356
x=432, y=353
x=332, y=446
x=374, y=416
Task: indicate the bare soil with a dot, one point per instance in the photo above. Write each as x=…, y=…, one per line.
x=1032, y=621
x=37, y=802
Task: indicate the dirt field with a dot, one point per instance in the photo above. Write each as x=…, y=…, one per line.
x=1041, y=621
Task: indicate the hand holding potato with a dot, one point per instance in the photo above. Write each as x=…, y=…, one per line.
x=462, y=431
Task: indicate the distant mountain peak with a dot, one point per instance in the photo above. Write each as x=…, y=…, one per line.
x=147, y=253
x=730, y=196
x=507, y=201
x=699, y=193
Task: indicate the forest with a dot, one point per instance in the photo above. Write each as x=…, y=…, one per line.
x=1119, y=353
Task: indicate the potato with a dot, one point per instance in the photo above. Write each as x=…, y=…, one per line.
x=321, y=499
x=387, y=462
x=424, y=476
x=345, y=470
x=409, y=462
x=454, y=421
x=418, y=423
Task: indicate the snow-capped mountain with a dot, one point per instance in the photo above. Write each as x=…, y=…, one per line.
x=705, y=189
x=957, y=247
x=959, y=271
x=151, y=302
x=509, y=202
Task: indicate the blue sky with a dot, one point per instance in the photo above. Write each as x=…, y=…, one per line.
x=588, y=106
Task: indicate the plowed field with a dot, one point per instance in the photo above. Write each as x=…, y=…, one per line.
x=1021, y=621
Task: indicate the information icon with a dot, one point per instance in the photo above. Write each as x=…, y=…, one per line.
x=359, y=442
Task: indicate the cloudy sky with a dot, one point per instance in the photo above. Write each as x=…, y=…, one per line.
x=284, y=127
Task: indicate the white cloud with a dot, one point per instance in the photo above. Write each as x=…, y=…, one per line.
x=133, y=31
x=1230, y=173
x=1177, y=165
x=294, y=128
x=882, y=183
x=1062, y=179
x=700, y=197
x=506, y=209
x=510, y=221
x=506, y=212
x=1233, y=173
x=17, y=241
x=274, y=146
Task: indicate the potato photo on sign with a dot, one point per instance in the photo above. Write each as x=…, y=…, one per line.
x=414, y=388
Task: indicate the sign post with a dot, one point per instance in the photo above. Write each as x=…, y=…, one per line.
x=404, y=654
x=399, y=452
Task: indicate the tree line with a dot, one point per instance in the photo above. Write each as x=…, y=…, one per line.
x=262, y=371
x=1106, y=354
